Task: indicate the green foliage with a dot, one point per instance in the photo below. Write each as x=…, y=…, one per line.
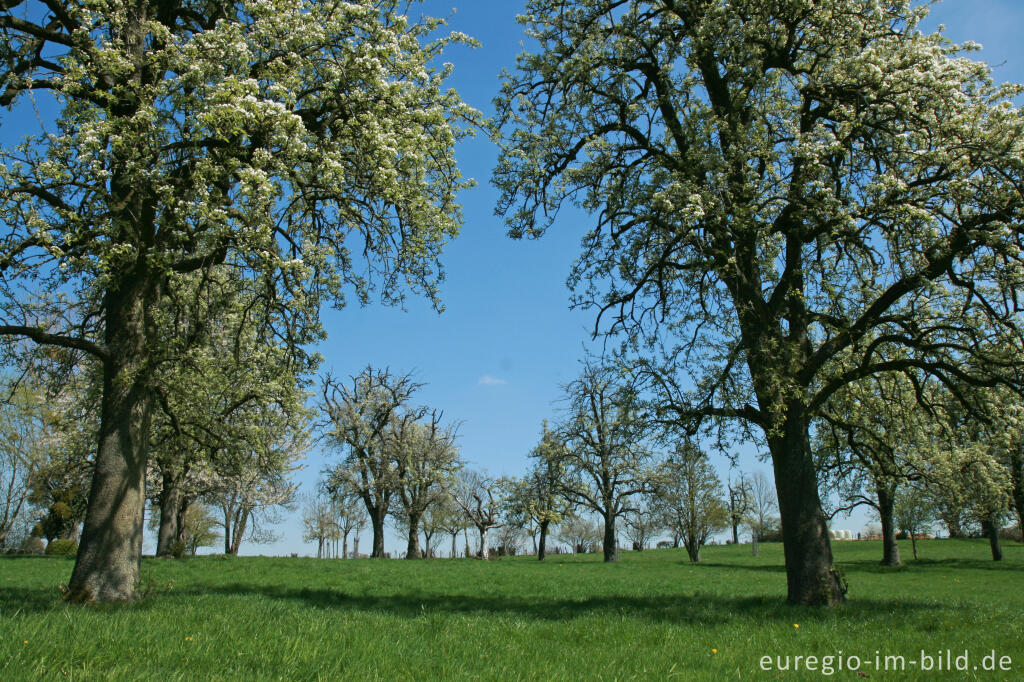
x=61, y=548
x=652, y=616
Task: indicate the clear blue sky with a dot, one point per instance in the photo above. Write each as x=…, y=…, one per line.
x=495, y=358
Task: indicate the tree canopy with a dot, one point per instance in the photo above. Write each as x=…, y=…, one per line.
x=787, y=197
x=304, y=143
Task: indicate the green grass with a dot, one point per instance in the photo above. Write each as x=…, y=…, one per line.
x=651, y=616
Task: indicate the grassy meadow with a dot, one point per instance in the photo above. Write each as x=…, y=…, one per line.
x=651, y=616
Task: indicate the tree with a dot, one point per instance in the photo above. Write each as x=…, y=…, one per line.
x=425, y=459
x=252, y=480
x=583, y=535
x=787, y=197
x=869, y=441
x=350, y=517
x=200, y=525
x=690, y=498
x=739, y=504
x=538, y=497
x=318, y=521
x=913, y=512
x=359, y=416
x=435, y=521
x=278, y=137
x=198, y=529
x=480, y=497
x=23, y=440
x=966, y=475
x=449, y=517
x=606, y=457
x=228, y=364
x=762, y=507
x=643, y=524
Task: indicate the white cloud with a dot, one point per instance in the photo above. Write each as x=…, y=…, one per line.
x=488, y=380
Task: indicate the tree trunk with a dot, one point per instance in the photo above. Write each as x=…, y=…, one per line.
x=183, y=535
x=753, y=540
x=735, y=531
x=412, y=550
x=810, y=573
x=890, y=548
x=377, y=523
x=355, y=547
x=693, y=549
x=229, y=514
x=609, y=545
x=455, y=550
x=991, y=531
x=484, y=551
x=170, y=511
x=542, y=545
x=107, y=565
x=242, y=520
x=465, y=535
x=344, y=545
x=1017, y=487
x=913, y=544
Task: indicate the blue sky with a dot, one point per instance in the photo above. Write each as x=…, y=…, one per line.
x=496, y=357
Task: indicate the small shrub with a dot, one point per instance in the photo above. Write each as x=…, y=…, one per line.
x=62, y=548
x=178, y=549
x=33, y=545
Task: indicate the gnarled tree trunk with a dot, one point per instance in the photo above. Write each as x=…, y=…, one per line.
x=811, y=577
x=107, y=565
x=484, y=550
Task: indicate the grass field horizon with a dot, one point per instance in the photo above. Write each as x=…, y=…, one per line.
x=653, y=615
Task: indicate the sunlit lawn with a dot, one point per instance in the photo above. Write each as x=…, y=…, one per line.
x=651, y=616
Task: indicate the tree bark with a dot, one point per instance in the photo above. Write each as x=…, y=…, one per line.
x=412, y=550
x=609, y=545
x=107, y=565
x=377, y=523
x=542, y=544
x=228, y=517
x=170, y=512
x=484, y=551
x=1017, y=487
x=753, y=541
x=890, y=548
x=455, y=550
x=693, y=550
x=991, y=531
x=810, y=573
x=241, y=521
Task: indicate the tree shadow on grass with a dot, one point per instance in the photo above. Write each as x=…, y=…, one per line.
x=15, y=600
x=706, y=609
